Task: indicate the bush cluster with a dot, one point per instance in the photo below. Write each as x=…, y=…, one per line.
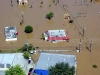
x=28, y=29
x=50, y=15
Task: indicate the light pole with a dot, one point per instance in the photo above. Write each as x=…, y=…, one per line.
x=83, y=29
x=11, y=3
x=91, y=42
x=22, y=17
x=80, y=45
x=27, y=44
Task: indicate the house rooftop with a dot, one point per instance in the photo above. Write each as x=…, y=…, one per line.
x=12, y=59
x=57, y=33
x=49, y=59
x=10, y=33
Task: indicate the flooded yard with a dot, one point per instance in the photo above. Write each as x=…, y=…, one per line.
x=83, y=13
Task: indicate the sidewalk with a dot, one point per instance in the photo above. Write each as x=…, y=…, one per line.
x=31, y=65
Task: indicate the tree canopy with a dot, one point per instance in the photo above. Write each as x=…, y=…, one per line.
x=15, y=70
x=28, y=29
x=26, y=55
x=50, y=15
x=61, y=69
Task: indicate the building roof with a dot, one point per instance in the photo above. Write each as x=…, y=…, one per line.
x=48, y=59
x=57, y=35
x=10, y=32
x=12, y=59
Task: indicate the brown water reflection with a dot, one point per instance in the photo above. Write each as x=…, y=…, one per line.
x=29, y=35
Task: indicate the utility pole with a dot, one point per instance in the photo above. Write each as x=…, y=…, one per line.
x=11, y=3
x=83, y=29
x=58, y=1
x=22, y=17
x=27, y=45
x=91, y=0
x=91, y=42
x=64, y=22
x=31, y=5
x=80, y=45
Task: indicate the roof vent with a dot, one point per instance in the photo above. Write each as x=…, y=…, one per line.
x=48, y=58
x=64, y=59
x=47, y=65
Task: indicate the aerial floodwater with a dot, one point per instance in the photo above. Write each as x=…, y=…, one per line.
x=85, y=27
x=85, y=15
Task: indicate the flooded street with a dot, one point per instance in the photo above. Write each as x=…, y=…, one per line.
x=82, y=13
x=12, y=15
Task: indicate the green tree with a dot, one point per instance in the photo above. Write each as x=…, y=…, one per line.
x=50, y=15
x=28, y=29
x=15, y=70
x=26, y=55
x=62, y=69
x=95, y=66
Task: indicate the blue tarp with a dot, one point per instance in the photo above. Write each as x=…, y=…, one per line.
x=41, y=72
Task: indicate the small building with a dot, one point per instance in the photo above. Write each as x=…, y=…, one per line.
x=49, y=59
x=11, y=33
x=12, y=59
x=56, y=35
x=22, y=2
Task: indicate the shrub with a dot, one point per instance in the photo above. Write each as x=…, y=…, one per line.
x=70, y=21
x=95, y=66
x=13, y=51
x=41, y=5
x=31, y=47
x=41, y=2
x=26, y=55
x=50, y=15
x=0, y=51
x=53, y=1
x=43, y=35
x=50, y=5
x=28, y=29
x=20, y=23
x=56, y=3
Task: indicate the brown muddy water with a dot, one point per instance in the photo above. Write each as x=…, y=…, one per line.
x=90, y=17
x=11, y=16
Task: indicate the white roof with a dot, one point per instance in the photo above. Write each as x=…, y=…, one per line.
x=10, y=32
x=12, y=59
x=59, y=33
x=48, y=59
